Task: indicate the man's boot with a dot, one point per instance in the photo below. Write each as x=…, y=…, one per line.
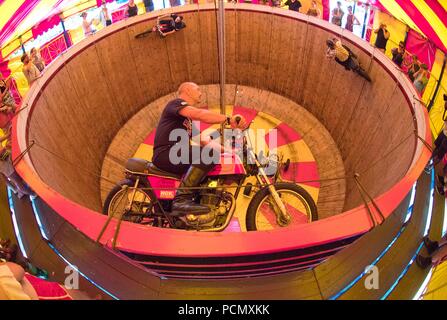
x=183, y=201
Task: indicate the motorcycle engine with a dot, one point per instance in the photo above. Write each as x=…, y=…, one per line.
x=213, y=199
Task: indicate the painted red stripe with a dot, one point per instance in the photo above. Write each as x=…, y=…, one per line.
x=303, y=173
x=249, y=114
x=421, y=22
x=438, y=9
x=150, y=138
x=18, y=16
x=285, y=135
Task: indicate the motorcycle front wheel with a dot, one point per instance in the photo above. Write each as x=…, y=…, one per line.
x=261, y=213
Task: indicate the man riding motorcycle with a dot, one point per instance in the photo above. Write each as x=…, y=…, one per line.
x=344, y=56
x=180, y=114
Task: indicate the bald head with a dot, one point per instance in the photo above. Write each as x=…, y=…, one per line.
x=190, y=92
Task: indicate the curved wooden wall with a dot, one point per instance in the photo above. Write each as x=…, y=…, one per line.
x=87, y=101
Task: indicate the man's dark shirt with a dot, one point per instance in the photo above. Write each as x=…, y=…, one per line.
x=170, y=120
x=294, y=6
x=171, y=25
x=381, y=40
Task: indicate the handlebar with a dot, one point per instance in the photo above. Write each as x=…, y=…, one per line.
x=238, y=119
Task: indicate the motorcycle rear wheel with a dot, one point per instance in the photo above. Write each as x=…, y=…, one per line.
x=119, y=198
x=299, y=204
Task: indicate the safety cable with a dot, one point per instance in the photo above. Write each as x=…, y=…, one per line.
x=190, y=188
x=366, y=204
x=371, y=199
x=387, y=154
x=22, y=154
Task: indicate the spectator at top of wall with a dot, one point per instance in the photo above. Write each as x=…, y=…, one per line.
x=37, y=59
x=6, y=97
x=294, y=5
x=351, y=20
x=313, y=10
x=132, y=9
x=104, y=15
x=399, y=54
x=148, y=5
x=413, y=67
x=421, y=78
x=87, y=25
x=337, y=14
x=29, y=69
x=382, y=37
x=7, y=103
x=437, y=253
x=16, y=284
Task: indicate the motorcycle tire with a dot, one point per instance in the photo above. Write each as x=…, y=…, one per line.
x=143, y=34
x=115, y=190
x=260, y=196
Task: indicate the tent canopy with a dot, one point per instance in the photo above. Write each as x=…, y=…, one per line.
x=428, y=17
x=19, y=16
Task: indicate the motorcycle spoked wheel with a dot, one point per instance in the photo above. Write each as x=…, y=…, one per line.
x=119, y=197
x=143, y=34
x=299, y=204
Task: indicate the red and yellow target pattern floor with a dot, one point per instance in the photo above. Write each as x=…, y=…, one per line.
x=303, y=168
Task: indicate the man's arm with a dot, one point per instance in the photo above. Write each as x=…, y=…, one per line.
x=202, y=115
x=386, y=34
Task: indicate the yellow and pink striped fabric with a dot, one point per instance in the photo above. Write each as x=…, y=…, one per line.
x=426, y=16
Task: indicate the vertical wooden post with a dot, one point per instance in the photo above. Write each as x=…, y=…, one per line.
x=221, y=45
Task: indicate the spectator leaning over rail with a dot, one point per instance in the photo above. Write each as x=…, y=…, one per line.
x=7, y=103
x=29, y=69
x=87, y=26
x=132, y=9
x=439, y=154
x=313, y=10
x=148, y=5
x=37, y=59
x=399, y=54
x=382, y=37
x=104, y=15
x=437, y=253
x=294, y=5
x=421, y=78
x=337, y=15
x=413, y=67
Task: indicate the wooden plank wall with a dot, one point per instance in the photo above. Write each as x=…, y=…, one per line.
x=88, y=101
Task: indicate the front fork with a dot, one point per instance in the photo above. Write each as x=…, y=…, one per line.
x=282, y=216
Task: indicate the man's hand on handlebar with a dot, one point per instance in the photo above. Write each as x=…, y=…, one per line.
x=238, y=122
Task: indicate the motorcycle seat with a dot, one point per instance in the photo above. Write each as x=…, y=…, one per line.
x=144, y=167
x=153, y=170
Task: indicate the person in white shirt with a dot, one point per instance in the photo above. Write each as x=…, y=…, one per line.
x=104, y=15
x=29, y=69
x=13, y=284
x=87, y=25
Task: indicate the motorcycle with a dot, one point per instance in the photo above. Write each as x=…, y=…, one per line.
x=146, y=195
